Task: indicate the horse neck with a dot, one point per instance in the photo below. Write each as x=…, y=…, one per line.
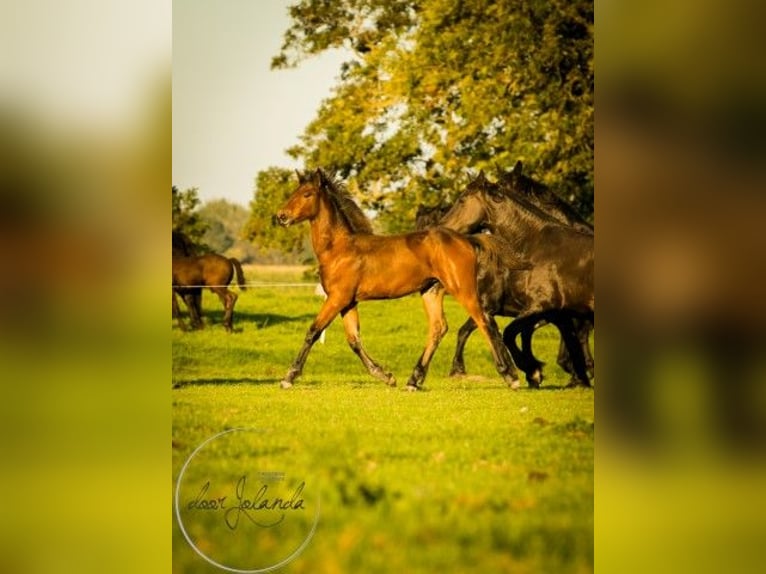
x=328, y=227
x=512, y=221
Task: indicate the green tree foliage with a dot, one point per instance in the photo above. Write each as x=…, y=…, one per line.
x=272, y=188
x=186, y=216
x=225, y=221
x=435, y=87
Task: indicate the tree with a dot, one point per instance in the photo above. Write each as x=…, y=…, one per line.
x=186, y=217
x=225, y=221
x=272, y=188
x=435, y=87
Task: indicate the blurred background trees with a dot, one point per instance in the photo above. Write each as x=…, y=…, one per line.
x=433, y=88
x=431, y=92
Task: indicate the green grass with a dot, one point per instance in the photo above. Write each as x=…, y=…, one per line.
x=466, y=476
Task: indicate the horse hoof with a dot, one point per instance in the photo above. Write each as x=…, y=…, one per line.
x=285, y=384
x=535, y=379
x=391, y=381
x=411, y=388
x=457, y=372
x=514, y=384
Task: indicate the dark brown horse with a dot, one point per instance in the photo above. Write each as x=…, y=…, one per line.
x=517, y=184
x=192, y=274
x=356, y=265
x=497, y=265
x=558, y=287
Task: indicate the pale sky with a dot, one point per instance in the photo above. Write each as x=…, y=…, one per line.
x=232, y=115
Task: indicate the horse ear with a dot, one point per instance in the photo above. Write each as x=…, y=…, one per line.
x=481, y=177
x=301, y=179
x=318, y=177
x=517, y=168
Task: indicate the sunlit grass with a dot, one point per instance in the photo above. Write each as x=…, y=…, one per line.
x=466, y=476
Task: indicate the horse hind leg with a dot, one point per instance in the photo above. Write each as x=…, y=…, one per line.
x=488, y=327
x=228, y=299
x=351, y=326
x=458, y=361
x=524, y=358
x=570, y=336
x=524, y=325
x=433, y=301
x=583, y=328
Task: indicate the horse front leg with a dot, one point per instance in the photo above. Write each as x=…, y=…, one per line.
x=194, y=307
x=328, y=312
x=458, y=361
x=351, y=326
x=433, y=301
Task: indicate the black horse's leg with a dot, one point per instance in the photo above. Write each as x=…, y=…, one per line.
x=564, y=322
x=433, y=301
x=564, y=360
x=351, y=326
x=582, y=328
x=524, y=324
x=583, y=333
x=458, y=362
x=330, y=309
x=533, y=368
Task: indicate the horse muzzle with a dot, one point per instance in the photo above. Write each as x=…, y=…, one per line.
x=283, y=219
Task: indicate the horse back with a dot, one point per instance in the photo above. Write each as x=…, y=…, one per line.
x=207, y=269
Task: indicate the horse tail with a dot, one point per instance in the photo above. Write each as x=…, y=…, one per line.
x=240, y=274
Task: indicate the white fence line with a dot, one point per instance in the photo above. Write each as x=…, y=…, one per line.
x=261, y=284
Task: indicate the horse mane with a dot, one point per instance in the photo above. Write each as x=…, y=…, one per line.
x=517, y=184
x=344, y=204
x=525, y=208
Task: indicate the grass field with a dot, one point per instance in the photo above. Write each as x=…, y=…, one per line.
x=465, y=476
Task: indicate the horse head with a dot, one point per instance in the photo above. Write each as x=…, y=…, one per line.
x=303, y=203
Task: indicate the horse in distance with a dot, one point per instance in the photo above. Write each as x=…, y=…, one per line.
x=193, y=273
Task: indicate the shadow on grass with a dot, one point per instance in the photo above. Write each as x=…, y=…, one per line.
x=261, y=320
x=223, y=381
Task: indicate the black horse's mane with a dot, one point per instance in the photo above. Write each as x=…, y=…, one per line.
x=537, y=192
x=524, y=207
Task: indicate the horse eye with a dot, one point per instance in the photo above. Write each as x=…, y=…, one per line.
x=307, y=194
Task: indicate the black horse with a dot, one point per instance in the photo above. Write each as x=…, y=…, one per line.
x=515, y=182
x=191, y=274
x=557, y=285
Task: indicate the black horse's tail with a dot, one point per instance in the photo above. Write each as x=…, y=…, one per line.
x=240, y=274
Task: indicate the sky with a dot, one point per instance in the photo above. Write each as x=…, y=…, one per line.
x=232, y=115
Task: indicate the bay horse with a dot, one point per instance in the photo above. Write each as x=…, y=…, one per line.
x=192, y=274
x=557, y=288
x=357, y=265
